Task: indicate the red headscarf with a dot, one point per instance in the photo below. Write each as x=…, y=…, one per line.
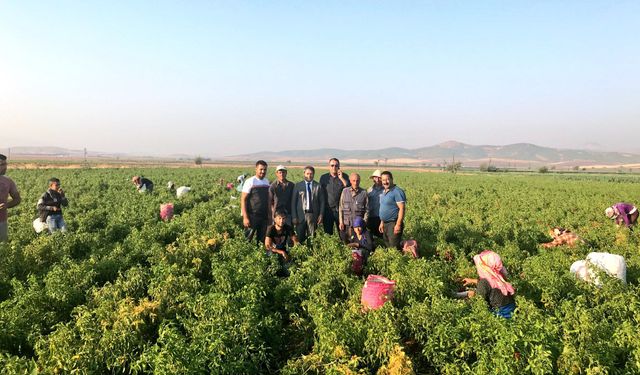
x=489, y=266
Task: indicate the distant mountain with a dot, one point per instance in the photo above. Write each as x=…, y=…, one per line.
x=59, y=152
x=516, y=154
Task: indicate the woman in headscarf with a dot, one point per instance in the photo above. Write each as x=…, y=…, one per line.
x=623, y=213
x=361, y=244
x=491, y=284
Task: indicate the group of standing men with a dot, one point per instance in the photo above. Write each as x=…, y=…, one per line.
x=334, y=202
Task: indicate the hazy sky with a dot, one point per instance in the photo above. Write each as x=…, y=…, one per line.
x=222, y=78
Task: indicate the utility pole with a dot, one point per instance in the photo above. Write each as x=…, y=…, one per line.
x=86, y=162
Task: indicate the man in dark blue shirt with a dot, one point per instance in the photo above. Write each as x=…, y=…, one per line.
x=392, y=211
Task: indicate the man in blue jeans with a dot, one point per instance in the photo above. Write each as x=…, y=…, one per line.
x=50, y=206
x=392, y=211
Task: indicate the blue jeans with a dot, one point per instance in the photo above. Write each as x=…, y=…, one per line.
x=55, y=223
x=505, y=311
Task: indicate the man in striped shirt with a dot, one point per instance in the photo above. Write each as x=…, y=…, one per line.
x=254, y=203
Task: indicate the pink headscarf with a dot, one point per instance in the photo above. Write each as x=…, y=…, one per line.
x=489, y=266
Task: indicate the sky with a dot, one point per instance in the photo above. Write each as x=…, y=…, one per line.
x=218, y=78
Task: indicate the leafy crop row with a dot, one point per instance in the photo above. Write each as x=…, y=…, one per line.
x=124, y=292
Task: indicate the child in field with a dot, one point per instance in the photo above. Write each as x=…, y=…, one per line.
x=50, y=206
x=491, y=284
x=623, y=213
x=279, y=235
x=361, y=244
x=561, y=237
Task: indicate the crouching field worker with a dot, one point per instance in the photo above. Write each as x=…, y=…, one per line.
x=491, y=284
x=144, y=185
x=361, y=244
x=50, y=206
x=279, y=235
x=623, y=213
x=561, y=237
x=612, y=264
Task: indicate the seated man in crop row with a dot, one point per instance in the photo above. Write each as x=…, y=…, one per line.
x=279, y=235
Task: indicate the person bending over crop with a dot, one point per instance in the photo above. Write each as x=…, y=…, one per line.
x=279, y=235
x=623, y=213
x=144, y=185
x=361, y=244
x=491, y=284
x=50, y=206
x=612, y=264
x=561, y=237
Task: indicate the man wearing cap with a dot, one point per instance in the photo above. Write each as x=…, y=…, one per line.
x=332, y=183
x=623, y=213
x=373, y=194
x=307, y=205
x=353, y=203
x=392, y=211
x=7, y=189
x=280, y=193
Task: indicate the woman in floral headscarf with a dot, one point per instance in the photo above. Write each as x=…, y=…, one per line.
x=491, y=284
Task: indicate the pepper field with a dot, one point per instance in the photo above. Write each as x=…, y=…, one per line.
x=124, y=292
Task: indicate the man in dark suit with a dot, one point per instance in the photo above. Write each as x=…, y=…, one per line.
x=307, y=205
x=333, y=183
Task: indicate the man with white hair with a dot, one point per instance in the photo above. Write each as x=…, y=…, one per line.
x=623, y=213
x=354, y=202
